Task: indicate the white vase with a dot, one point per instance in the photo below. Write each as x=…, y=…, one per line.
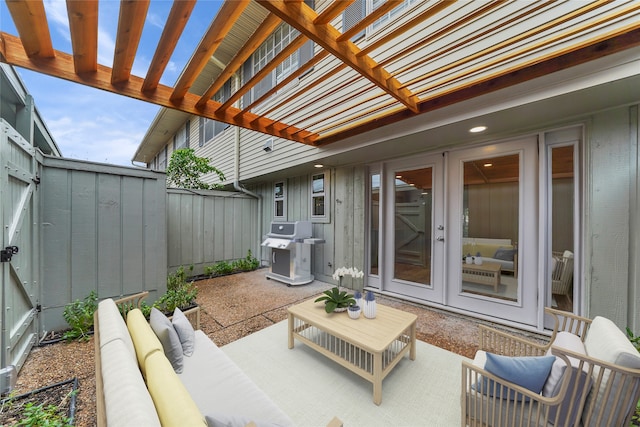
x=369, y=309
x=469, y=260
x=478, y=260
x=354, y=312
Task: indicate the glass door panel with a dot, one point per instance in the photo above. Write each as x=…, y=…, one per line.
x=412, y=254
x=562, y=226
x=412, y=243
x=491, y=190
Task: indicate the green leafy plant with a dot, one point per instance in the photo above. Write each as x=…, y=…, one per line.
x=79, y=315
x=185, y=170
x=248, y=263
x=180, y=293
x=42, y=416
x=334, y=298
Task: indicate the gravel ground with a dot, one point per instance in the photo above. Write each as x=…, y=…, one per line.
x=233, y=307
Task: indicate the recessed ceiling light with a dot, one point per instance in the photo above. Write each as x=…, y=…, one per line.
x=318, y=165
x=488, y=165
x=398, y=176
x=478, y=129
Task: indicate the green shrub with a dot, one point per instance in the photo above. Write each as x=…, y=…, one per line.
x=42, y=416
x=79, y=315
x=180, y=293
x=249, y=263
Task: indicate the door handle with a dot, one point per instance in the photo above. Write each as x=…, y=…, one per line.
x=273, y=257
x=440, y=239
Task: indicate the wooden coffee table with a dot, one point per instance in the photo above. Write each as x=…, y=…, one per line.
x=487, y=273
x=370, y=348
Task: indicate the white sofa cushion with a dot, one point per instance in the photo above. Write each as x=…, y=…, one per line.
x=607, y=342
x=112, y=326
x=127, y=401
x=218, y=385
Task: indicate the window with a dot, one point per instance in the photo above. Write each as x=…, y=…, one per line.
x=275, y=43
x=361, y=8
x=280, y=201
x=209, y=129
x=320, y=197
x=162, y=159
x=181, y=138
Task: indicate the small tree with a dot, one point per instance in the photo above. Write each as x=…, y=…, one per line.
x=186, y=169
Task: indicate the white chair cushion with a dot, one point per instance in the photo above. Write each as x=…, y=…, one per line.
x=607, y=342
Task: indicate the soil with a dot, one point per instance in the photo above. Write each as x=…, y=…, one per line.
x=60, y=395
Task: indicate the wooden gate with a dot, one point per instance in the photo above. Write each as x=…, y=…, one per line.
x=20, y=242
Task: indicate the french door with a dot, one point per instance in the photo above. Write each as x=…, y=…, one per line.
x=492, y=256
x=409, y=231
x=459, y=229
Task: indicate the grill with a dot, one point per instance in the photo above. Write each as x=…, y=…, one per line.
x=290, y=244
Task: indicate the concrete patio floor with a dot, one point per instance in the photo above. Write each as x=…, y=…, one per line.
x=237, y=305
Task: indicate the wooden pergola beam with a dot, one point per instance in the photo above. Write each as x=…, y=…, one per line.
x=176, y=22
x=219, y=28
x=302, y=17
x=130, y=24
x=331, y=11
x=62, y=66
x=83, y=25
x=31, y=22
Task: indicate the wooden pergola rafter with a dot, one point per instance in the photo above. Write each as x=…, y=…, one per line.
x=384, y=78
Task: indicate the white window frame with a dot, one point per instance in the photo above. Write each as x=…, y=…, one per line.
x=324, y=193
x=280, y=198
x=393, y=13
x=162, y=159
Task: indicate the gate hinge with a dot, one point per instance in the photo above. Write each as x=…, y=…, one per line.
x=39, y=308
x=7, y=253
x=36, y=180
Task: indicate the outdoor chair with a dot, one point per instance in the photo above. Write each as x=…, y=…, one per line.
x=594, y=379
x=562, y=276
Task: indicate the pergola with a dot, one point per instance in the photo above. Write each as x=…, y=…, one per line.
x=449, y=52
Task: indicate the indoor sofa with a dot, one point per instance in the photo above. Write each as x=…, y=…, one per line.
x=588, y=374
x=145, y=378
x=500, y=251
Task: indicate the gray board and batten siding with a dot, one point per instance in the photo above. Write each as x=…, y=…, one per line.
x=103, y=230
x=343, y=231
x=207, y=226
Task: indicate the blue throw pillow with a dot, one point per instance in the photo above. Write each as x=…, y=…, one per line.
x=504, y=254
x=528, y=372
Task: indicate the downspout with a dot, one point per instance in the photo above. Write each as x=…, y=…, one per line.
x=236, y=184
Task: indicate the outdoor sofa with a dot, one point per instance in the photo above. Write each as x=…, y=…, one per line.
x=145, y=378
x=593, y=377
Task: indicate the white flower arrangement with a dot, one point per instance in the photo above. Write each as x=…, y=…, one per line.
x=344, y=271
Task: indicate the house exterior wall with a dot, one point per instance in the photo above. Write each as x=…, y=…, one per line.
x=344, y=233
x=610, y=233
x=612, y=210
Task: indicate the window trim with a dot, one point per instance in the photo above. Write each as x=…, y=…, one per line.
x=282, y=198
x=326, y=193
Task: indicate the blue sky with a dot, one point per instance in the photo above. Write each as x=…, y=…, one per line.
x=90, y=124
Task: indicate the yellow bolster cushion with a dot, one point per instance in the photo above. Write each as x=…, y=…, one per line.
x=174, y=405
x=144, y=339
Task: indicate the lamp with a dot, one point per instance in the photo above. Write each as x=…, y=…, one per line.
x=268, y=145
